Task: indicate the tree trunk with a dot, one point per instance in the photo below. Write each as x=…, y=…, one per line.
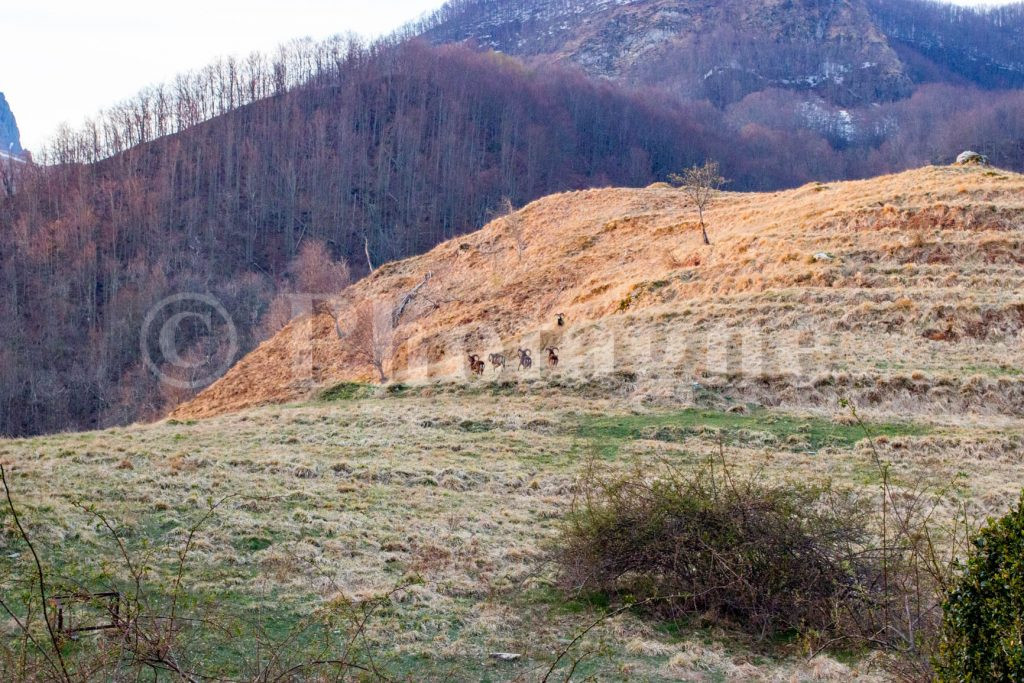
x=366, y=250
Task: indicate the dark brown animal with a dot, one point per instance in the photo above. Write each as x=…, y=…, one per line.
x=552, y=357
x=561, y=319
x=498, y=361
x=525, y=359
x=476, y=365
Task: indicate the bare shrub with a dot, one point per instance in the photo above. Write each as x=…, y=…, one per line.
x=766, y=559
x=279, y=313
x=757, y=558
x=917, y=563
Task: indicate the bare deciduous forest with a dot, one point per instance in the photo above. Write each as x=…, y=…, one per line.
x=215, y=182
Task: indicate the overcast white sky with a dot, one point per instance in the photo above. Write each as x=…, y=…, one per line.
x=63, y=60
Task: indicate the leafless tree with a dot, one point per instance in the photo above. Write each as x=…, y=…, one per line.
x=514, y=225
x=370, y=336
x=408, y=298
x=312, y=273
x=314, y=270
x=701, y=184
x=366, y=251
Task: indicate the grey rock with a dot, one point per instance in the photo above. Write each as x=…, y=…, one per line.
x=505, y=656
x=968, y=158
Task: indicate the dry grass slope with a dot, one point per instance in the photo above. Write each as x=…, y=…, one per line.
x=905, y=292
x=354, y=495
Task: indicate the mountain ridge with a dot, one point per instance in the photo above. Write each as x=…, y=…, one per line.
x=841, y=49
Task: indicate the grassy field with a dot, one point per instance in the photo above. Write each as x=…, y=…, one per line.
x=455, y=494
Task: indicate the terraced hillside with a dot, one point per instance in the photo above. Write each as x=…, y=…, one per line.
x=902, y=292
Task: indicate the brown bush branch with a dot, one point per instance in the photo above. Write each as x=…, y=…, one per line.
x=54, y=642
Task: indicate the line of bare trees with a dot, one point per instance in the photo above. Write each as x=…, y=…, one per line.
x=198, y=96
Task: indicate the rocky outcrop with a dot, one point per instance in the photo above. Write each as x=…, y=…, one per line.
x=10, y=137
x=721, y=50
x=846, y=51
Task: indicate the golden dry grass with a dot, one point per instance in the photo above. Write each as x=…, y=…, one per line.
x=905, y=291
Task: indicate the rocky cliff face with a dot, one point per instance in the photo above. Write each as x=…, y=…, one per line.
x=10, y=137
x=721, y=50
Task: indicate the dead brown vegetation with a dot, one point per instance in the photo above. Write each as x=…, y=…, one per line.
x=884, y=278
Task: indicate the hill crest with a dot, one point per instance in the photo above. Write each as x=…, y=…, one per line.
x=914, y=266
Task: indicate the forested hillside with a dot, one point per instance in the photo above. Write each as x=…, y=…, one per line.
x=255, y=179
x=941, y=42
x=860, y=73
x=378, y=152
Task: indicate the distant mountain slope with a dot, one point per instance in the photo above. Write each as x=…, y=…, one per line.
x=943, y=42
x=10, y=137
x=844, y=50
x=799, y=286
